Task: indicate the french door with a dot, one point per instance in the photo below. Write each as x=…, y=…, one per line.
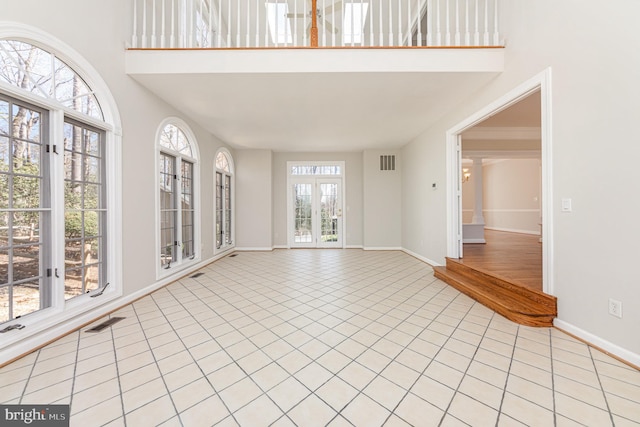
x=316, y=218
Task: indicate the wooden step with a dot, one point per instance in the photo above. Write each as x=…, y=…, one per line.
x=516, y=302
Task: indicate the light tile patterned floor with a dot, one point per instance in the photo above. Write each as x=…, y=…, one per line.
x=322, y=337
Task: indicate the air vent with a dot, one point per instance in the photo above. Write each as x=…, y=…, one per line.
x=197, y=275
x=105, y=324
x=388, y=162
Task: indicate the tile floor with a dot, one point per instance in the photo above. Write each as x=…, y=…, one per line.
x=322, y=337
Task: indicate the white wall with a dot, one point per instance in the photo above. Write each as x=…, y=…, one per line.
x=353, y=191
x=595, y=100
x=253, y=199
x=510, y=196
x=382, y=201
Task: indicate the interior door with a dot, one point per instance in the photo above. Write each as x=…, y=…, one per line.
x=317, y=216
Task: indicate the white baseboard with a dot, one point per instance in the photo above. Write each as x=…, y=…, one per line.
x=256, y=249
x=474, y=241
x=381, y=248
x=39, y=339
x=431, y=262
x=353, y=247
x=513, y=230
x=598, y=342
x=280, y=247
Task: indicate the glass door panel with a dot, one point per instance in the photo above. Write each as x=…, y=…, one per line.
x=303, y=214
x=330, y=204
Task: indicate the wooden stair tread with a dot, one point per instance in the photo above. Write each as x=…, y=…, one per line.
x=515, y=302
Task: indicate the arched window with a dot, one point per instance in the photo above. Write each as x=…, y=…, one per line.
x=224, y=200
x=177, y=195
x=62, y=142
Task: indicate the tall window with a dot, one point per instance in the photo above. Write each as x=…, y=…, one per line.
x=42, y=264
x=224, y=206
x=177, y=202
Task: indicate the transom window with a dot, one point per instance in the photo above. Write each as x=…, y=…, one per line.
x=40, y=72
x=177, y=164
x=316, y=170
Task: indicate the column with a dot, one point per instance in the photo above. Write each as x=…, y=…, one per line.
x=476, y=173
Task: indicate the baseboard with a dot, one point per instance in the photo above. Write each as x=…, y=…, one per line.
x=431, y=262
x=354, y=247
x=256, y=249
x=605, y=346
x=382, y=248
x=512, y=230
x=280, y=247
x=474, y=241
x=41, y=339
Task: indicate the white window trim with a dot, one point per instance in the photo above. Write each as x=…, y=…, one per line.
x=195, y=158
x=232, y=168
x=64, y=316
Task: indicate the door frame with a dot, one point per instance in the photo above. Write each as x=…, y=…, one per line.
x=541, y=82
x=291, y=179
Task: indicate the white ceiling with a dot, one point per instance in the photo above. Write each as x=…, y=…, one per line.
x=274, y=99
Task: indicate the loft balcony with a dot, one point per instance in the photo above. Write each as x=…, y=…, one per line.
x=237, y=24
x=260, y=72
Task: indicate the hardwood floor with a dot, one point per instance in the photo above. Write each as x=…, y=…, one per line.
x=513, y=256
x=505, y=274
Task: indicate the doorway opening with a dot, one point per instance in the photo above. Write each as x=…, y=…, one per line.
x=504, y=134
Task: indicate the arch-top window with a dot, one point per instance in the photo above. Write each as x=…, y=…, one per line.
x=224, y=205
x=43, y=265
x=177, y=197
x=42, y=73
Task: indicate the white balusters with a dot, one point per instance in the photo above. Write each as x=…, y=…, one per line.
x=247, y=23
x=496, y=34
x=134, y=37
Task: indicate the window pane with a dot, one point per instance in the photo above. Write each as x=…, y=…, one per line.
x=4, y=191
x=72, y=195
x=26, y=192
x=73, y=225
x=73, y=254
x=92, y=169
x=26, y=298
x=91, y=278
x=26, y=227
x=91, y=196
x=4, y=266
x=26, y=262
x=92, y=143
x=5, y=157
x=91, y=224
x=4, y=303
x=25, y=124
x=4, y=118
x=26, y=158
x=73, y=283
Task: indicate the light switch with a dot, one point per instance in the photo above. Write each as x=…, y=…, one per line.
x=566, y=205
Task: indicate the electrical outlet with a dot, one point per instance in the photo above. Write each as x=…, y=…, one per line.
x=615, y=308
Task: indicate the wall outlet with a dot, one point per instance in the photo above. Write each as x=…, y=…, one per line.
x=615, y=308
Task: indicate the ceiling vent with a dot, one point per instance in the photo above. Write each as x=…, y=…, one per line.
x=388, y=162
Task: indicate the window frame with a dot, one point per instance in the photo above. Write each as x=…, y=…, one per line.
x=64, y=316
x=224, y=246
x=194, y=159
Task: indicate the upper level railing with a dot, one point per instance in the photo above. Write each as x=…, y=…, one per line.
x=313, y=23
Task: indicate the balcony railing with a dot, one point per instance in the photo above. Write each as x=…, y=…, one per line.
x=169, y=24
